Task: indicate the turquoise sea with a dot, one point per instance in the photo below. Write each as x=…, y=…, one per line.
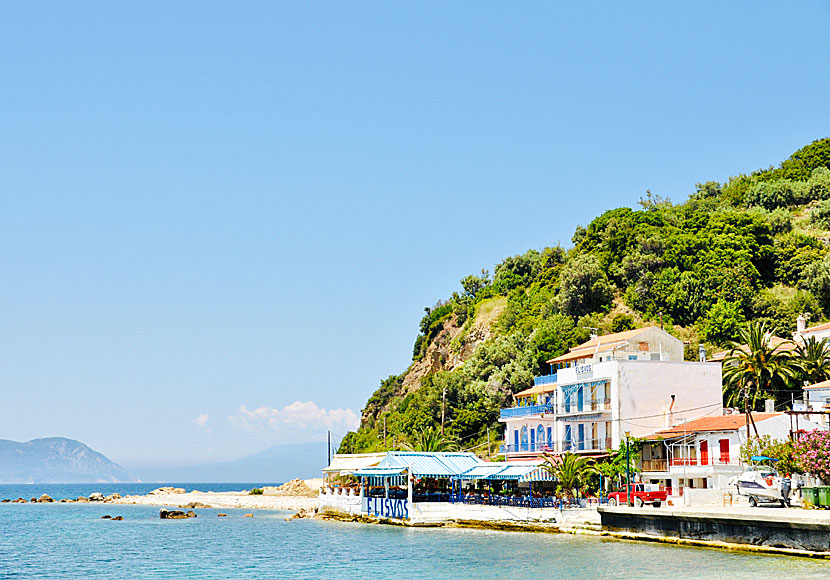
x=71, y=541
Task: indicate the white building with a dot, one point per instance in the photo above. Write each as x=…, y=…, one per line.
x=634, y=381
x=817, y=399
x=705, y=453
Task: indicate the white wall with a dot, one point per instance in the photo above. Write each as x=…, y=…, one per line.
x=644, y=392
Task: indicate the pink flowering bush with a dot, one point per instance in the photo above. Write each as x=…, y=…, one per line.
x=811, y=454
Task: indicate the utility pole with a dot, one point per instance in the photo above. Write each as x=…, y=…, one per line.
x=489, y=454
x=329, y=461
x=627, y=469
x=443, y=404
x=384, y=432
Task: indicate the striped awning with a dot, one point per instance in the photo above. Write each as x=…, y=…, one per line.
x=439, y=465
x=524, y=471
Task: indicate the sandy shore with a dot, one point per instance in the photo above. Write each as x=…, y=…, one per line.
x=228, y=499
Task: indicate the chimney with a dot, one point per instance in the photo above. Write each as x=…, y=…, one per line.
x=667, y=418
x=769, y=405
x=701, y=352
x=800, y=324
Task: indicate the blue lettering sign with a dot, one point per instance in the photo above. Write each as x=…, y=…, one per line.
x=387, y=507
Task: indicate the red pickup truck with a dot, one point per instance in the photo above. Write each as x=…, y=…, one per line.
x=641, y=493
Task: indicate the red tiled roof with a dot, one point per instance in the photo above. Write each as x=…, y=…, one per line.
x=821, y=385
x=825, y=326
x=706, y=424
x=587, y=348
x=781, y=344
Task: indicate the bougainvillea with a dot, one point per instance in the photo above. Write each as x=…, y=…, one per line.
x=811, y=454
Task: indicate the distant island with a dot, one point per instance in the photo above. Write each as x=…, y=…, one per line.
x=56, y=460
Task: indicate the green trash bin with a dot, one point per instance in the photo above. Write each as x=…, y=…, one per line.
x=810, y=495
x=824, y=496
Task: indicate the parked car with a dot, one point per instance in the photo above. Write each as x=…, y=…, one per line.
x=641, y=493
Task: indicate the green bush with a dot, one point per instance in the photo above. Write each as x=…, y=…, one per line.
x=820, y=215
x=255, y=491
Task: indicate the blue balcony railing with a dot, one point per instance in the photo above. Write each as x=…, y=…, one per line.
x=544, y=380
x=525, y=411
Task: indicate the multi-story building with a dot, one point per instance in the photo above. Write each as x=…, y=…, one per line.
x=631, y=382
x=705, y=453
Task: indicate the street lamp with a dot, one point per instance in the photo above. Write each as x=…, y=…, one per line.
x=627, y=470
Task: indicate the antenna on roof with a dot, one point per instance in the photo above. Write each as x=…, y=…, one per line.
x=594, y=331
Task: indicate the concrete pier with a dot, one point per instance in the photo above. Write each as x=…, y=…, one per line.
x=774, y=527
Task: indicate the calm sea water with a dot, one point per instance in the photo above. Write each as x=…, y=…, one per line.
x=71, y=541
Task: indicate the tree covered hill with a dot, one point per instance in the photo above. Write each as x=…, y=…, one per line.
x=756, y=248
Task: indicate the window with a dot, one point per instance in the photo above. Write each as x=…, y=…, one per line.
x=532, y=439
x=515, y=439
x=581, y=436
x=524, y=437
x=550, y=438
x=724, y=450
x=704, y=453
x=568, y=438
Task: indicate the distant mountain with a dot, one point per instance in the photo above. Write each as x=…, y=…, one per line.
x=56, y=460
x=277, y=464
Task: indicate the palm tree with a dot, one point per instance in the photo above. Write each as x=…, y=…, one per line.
x=431, y=439
x=755, y=368
x=813, y=359
x=570, y=470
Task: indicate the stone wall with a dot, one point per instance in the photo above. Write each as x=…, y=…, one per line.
x=782, y=531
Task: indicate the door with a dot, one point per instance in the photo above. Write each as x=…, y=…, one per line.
x=704, y=453
x=581, y=436
x=515, y=439
x=724, y=451
x=580, y=399
x=568, y=438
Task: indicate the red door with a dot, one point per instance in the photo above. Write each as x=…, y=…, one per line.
x=704, y=453
x=724, y=451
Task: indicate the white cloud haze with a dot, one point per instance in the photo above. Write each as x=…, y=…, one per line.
x=299, y=416
x=202, y=420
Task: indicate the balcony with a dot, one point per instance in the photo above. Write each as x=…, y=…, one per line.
x=544, y=380
x=587, y=406
x=587, y=445
x=535, y=448
x=513, y=412
x=655, y=465
x=695, y=462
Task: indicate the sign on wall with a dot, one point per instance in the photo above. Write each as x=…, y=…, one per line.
x=382, y=507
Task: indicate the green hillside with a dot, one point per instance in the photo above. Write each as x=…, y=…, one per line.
x=753, y=248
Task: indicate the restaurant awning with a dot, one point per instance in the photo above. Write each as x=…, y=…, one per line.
x=508, y=471
x=348, y=463
x=440, y=465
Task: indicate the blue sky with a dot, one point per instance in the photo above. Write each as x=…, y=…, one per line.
x=221, y=223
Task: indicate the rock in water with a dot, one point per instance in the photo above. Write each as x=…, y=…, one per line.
x=118, y=518
x=176, y=514
x=45, y=499
x=83, y=499
x=106, y=517
x=222, y=515
x=97, y=496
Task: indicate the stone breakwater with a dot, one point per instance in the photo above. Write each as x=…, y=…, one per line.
x=227, y=499
x=294, y=496
x=45, y=498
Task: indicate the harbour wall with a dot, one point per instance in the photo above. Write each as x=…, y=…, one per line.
x=784, y=530
x=434, y=512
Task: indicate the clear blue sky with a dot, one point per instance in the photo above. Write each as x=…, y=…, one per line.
x=212, y=211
